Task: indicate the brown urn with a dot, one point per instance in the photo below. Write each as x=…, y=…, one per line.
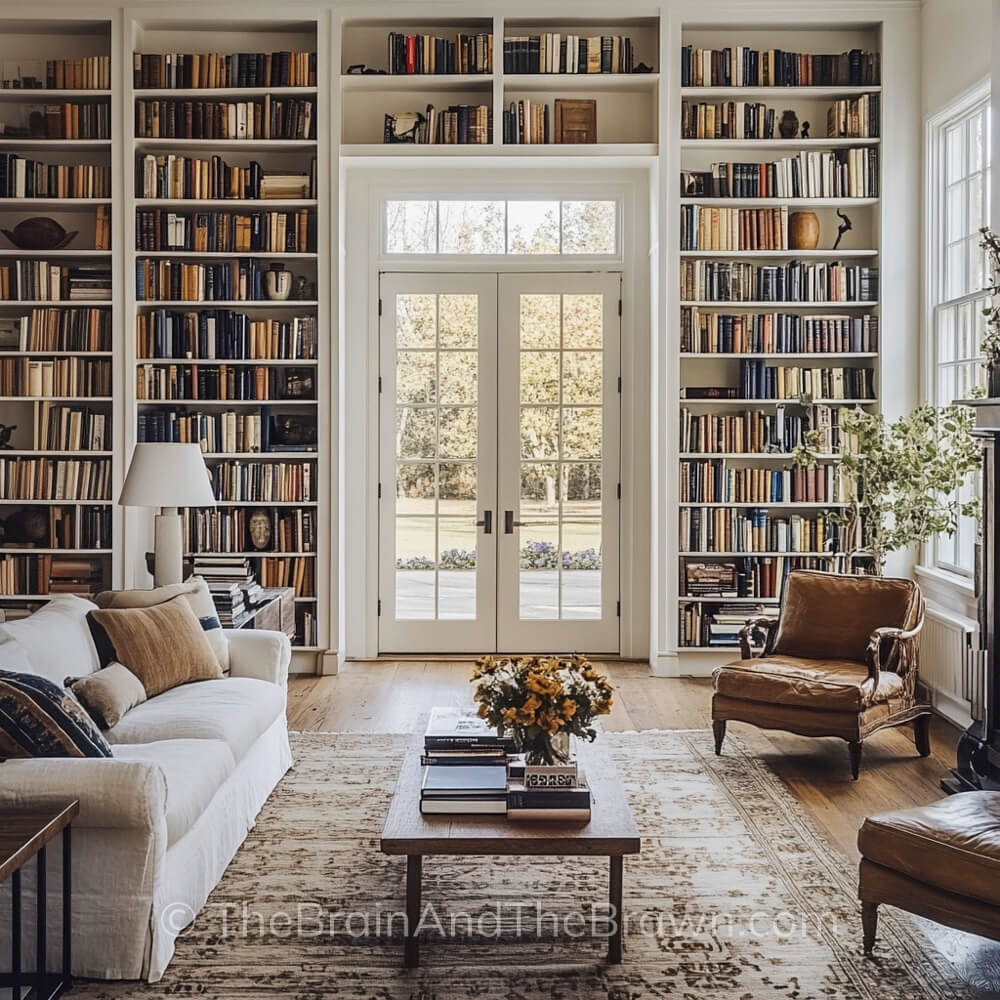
x=803, y=231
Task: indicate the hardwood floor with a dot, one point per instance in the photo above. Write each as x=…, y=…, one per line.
x=396, y=696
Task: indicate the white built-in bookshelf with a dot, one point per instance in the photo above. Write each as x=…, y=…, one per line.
x=214, y=355
x=58, y=364
x=626, y=102
x=745, y=514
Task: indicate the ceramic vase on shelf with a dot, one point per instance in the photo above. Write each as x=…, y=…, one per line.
x=803, y=231
x=278, y=283
x=788, y=127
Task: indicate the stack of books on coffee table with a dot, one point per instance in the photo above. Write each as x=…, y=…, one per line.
x=556, y=794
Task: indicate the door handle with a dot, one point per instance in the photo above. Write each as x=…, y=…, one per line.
x=486, y=523
x=509, y=524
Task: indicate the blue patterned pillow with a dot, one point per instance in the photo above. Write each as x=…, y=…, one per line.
x=40, y=719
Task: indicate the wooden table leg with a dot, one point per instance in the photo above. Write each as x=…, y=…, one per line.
x=615, y=881
x=67, y=905
x=411, y=955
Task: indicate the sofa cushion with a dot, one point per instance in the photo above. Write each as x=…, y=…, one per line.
x=39, y=718
x=164, y=646
x=194, y=770
x=57, y=639
x=194, y=591
x=824, y=685
x=236, y=710
x=108, y=694
x=833, y=615
x=952, y=845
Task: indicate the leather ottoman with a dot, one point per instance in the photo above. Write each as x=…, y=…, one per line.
x=940, y=861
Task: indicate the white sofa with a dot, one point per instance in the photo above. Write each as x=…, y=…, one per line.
x=160, y=821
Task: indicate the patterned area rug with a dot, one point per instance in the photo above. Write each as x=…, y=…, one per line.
x=734, y=897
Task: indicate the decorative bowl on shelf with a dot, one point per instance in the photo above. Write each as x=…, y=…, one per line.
x=40, y=233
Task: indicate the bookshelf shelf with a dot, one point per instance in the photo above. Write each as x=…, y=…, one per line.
x=776, y=144
x=778, y=202
x=9, y=145
x=713, y=304
x=54, y=453
x=15, y=551
x=57, y=304
x=791, y=356
x=56, y=399
x=423, y=82
x=834, y=255
x=774, y=456
x=816, y=93
x=770, y=505
x=775, y=402
x=64, y=254
x=63, y=203
x=500, y=151
x=46, y=94
x=556, y=83
x=765, y=555
x=152, y=33
x=55, y=354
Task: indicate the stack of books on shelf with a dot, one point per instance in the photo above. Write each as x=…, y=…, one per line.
x=90, y=73
x=760, y=577
x=168, y=280
x=48, y=282
x=50, y=574
x=21, y=178
x=263, y=482
x=190, y=177
x=715, y=481
x=205, y=232
x=57, y=330
x=421, y=54
x=45, y=479
x=225, y=576
x=220, y=383
x=715, y=625
x=465, y=765
x=226, y=530
x=63, y=121
x=706, y=227
x=796, y=281
x=291, y=571
x=58, y=377
x=458, y=124
x=70, y=428
x=724, y=529
x=754, y=431
x=258, y=118
x=229, y=432
x=855, y=118
x=552, y=52
x=837, y=173
x=762, y=381
x=713, y=332
x=742, y=66
x=199, y=70
x=727, y=120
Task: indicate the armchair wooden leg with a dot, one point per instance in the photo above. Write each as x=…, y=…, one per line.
x=855, y=751
x=922, y=735
x=869, y=925
x=719, y=728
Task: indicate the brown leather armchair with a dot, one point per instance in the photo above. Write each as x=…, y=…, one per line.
x=841, y=660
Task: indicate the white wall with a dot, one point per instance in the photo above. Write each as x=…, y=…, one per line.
x=956, y=49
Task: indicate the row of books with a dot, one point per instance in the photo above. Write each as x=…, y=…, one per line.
x=89, y=73
x=168, y=280
x=306, y=633
x=228, y=530
x=748, y=576
x=222, y=382
x=742, y=66
x=175, y=176
x=102, y=227
x=527, y=123
x=78, y=329
x=701, y=624
x=458, y=124
x=721, y=529
x=709, y=228
x=51, y=574
x=257, y=118
x=44, y=281
x=855, y=117
x=776, y=333
x=78, y=527
x=727, y=120
x=552, y=52
x=759, y=380
x=24, y=178
x=70, y=428
x=197, y=70
x=223, y=334
x=718, y=481
x=48, y=479
x=837, y=173
x=423, y=54
x=264, y=482
x=63, y=121
x=794, y=281
x=206, y=232
x=229, y=432
x=757, y=432
x=56, y=377
x=288, y=571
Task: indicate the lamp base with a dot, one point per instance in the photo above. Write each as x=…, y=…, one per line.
x=168, y=544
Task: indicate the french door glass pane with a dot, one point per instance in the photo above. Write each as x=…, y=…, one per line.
x=561, y=373
x=437, y=389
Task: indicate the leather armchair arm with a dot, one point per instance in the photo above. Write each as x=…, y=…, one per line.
x=904, y=639
x=762, y=627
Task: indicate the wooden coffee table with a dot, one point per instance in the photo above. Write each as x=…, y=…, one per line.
x=611, y=833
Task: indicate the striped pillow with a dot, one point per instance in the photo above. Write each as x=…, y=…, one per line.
x=40, y=719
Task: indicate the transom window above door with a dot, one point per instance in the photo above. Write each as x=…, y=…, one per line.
x=501, y=227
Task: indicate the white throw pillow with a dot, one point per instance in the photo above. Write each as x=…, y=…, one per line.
x=56, y=639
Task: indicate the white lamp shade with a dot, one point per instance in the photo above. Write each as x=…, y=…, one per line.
x=167, y=475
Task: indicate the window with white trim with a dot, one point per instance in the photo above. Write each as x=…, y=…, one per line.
x=958, y=205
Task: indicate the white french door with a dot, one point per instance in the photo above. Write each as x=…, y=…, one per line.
x=499, y=465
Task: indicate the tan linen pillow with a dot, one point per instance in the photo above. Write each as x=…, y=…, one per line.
x=108, y=694
x=195, y=592
x=164, y=646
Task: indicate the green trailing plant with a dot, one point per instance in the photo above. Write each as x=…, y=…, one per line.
x=990, y=242
x=900, y=480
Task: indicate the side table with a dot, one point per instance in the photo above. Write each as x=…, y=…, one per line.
x=24, y=834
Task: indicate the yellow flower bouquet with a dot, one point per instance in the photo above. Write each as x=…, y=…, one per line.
x=536, y=698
